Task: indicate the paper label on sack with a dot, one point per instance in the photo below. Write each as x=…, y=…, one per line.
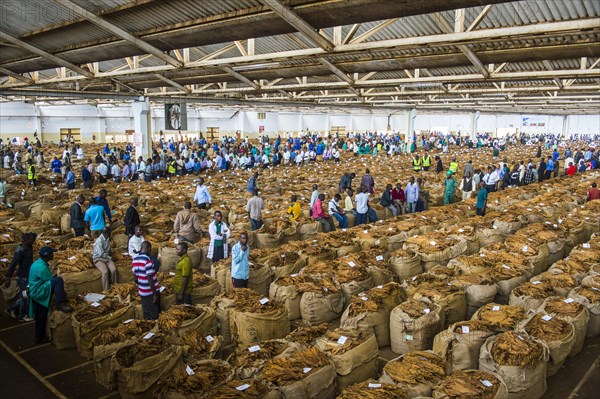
x=294, y=275
x=506, y=267
x=432, y=243
x=390, y=229
x=306, y=369
x=94, y=297
x=521, y=338
x=342, y=340
x=414, y=278
x=94, y=304
x=495, y=307
x=380, y=286
x=209, y=338
x=242, y=387
x=161, y=289
x=409, y=337
x=371, y=385
x=426, y=310
x=465, y=329
x=263, y=301
x=559, y=221
x=525, y=248
x=366, y=231
x=189, y=370
x=586, y=245
x=486, y=383
x=536, y=282
x=379, y=257
x=352, y=264
x=568, y=300
x=555, y=226
x=4, y=260
x=127, y=321
x=546, y=318
x=364, y=298
x=72, y=258
x=171, y=273
x=254, y=348
x=149, y=335
x=461, y=231
x=344, y=229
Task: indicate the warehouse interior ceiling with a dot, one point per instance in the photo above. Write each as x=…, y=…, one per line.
x=382, y=55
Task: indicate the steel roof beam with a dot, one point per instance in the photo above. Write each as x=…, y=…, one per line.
x=17, y=76
x=104, y=24
x=172, y=83
x=290, y=16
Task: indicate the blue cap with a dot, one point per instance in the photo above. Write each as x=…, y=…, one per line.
x=45, y=251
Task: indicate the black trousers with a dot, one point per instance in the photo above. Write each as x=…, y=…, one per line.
x=237, y=283
x=480, y=211
x=149, y=308
x=79, y=232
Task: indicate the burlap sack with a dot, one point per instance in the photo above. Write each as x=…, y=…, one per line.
x=408, y=334
x=317, y=308
x=205, y=294
x=288, y=267
x=501, y=391
x=422, y=389
x=506, y=227
x=361, y=373
x=168, y=257
x=478, y=295
x=406, y=267
x=308, y=230
x=223, y=307
x=505, y=287
x=120, y=241
x=488, y=236
x=87, y=330
x=259, y=281
x=376, y=323
x=61, y=330
x=381, y=275
x=144, y=374
x=289, y=296
x=460, y=349
x=525, y=301
x=522, y=382
x=11, y=292
x=52, y=216
x=352, y=288
x=317, y=385
x=454, y=306
x=580, y=323
x=104, y=366
x=206, y=323
x=348, y=361
x=263, y=240
x=593, y=327
x=65, y=223
x=396, y=241
x=558, y=350
x=251, y=327
x=82, y=282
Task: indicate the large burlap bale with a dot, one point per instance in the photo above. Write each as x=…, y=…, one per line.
x=82, y=282
x=478, y=295
x=317, y=385
x=582, y=295
x=142, y=375
x=579, y=318
x=361, y=373
x=317, y=308
x=86, y=331
x=223, y=307
x=454, y=306
x=459, y=345
x=61, y=330
x=289, y=296
x=205, y=322
x=260, y=277
x=559, y=348
x=251, y=327
x=205, y=293
x=419, y=385
x=522, y=382
x=120, y=241
x=376, y=323
x=284, y=264
x=405, y=264
x=346, y=362
x=381, y=275
x=432, y=258
x=103, y=364
x=506, y=286
x=168, y=257
x=36, y=210
x=488, y=236
x=408, y=333
x=352, y=288
x=307, y=231
x=470, y=385
x=264, y=240
x=65, y=223
x=506, y=227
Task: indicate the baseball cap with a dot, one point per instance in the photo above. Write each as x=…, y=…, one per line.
x=449, y=173
x=45, y=251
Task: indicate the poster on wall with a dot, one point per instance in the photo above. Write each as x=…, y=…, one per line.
x=533, y=121
x=175, y=116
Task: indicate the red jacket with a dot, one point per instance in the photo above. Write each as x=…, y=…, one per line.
x=571, y=170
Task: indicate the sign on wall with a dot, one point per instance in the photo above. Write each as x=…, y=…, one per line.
x=175, y=116
x=533, y=121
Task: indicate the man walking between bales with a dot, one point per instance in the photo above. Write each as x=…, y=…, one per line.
x=240, y=269
x=187, y=224
x=482, y=196
x=144, y=275
x=182, y=282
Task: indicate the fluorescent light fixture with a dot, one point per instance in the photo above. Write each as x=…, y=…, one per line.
x=255, y=66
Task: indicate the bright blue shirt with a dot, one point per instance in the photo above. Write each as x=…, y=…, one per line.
x=95, y=216
x=56, y=165
x=104, y=204
x=482, y=196
x=70, y=177
x=240, y=268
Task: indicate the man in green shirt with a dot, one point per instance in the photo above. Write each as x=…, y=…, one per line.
x=450, y=187
x=182, y=282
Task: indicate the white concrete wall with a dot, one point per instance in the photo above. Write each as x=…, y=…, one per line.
x=23, y=119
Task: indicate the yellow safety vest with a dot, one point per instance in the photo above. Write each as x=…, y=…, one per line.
x=453, y=167
x=172, y=168
x=427, y=161
x=417, y=164
x=31, y=173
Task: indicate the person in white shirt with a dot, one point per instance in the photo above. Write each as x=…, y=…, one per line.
x=102, y=171
x=79, y=152
x=202, y=196
x=286, y=157
x=335, y=154
x=412, y=195
x=362, y=206
x=466, y=186
x=313, y=197
x=116, y=172
x=299, y=158
x=135, y=242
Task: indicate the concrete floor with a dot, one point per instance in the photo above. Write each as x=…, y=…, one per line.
x=42, y=372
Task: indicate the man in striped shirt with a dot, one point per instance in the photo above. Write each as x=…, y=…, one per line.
x=144, y=276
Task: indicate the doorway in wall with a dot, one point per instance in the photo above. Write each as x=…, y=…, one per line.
x=212, y=133
x=66, y=132
x=341, y=130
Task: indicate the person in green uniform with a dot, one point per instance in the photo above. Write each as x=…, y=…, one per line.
x=450, y=187
x=42, y=284
x=182, y=282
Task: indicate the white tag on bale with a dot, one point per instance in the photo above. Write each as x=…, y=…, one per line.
x=254, y=348
x=525, y=248
x=342, y=340
x=127, y=321
x=372, y=385
x=306, y=369
x=379, y=257
x=586, y=245
x=161, y=289
x=263, y=301
x=94, y=304
x=189, y=370
x=171, y=273
x=242, y=387
x=426, y=310
x=364, y=298
x=209, y=338
x=351, y=264
x=546, y=318
x=495, y=308
x=465, y=329
x=486, y=383
x=568, y=300
x=409, y=337
x=149, y=335
x=377, y=242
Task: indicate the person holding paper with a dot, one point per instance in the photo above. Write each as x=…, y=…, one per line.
x=219, y=233
x=240, y=268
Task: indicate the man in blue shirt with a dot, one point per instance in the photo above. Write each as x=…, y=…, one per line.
x=70, y=179
x=240, y=269
x=56, y=164
x=549, y=168
x=251, y=187
x=482, y=196
x=103, y=202
x=94, y=216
